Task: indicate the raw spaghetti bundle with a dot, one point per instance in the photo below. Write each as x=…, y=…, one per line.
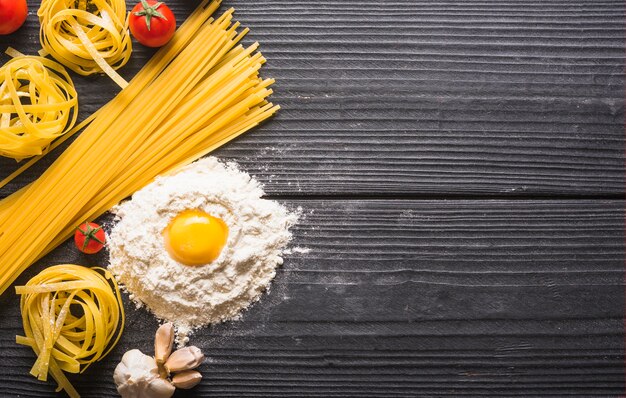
x=87, y=36
x=200, y=91
x=38, y=103
x=72, y=317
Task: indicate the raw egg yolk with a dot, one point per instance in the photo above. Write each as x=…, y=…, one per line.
x=194, y=237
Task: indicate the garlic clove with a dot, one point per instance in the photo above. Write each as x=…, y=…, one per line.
x=184, y=359
x=163, y=342
x=186, y=379
x=160, y=388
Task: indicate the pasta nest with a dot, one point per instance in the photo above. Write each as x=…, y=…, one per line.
x=38, y=103
x=72, y=316
x=87, y=36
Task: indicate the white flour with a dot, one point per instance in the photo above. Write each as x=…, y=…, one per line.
x=193, y=296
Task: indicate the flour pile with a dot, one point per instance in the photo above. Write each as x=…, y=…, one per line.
x=193, y=296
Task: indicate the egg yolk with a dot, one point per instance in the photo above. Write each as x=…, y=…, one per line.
x=194, y=237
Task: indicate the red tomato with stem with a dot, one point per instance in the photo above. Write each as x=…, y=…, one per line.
x=152, y=23
x=13, y=13
x=89, y=238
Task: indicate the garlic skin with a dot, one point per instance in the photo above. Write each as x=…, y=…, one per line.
x=137, y=376
x=160, y=388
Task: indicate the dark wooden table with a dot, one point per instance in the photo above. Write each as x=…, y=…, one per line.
x=461, y=169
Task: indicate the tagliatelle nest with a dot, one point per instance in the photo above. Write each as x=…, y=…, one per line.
x=87, y=36
x=72, y=316
x=38, y=103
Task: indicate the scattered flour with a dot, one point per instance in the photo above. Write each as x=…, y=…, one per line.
x=193, y=296
x=297, y=249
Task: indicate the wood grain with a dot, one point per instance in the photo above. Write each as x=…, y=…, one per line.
x=403, y=100
x=408, y=298
x=511, y=98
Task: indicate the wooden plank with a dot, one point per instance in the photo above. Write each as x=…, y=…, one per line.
x=406, y=298
x=429, y=98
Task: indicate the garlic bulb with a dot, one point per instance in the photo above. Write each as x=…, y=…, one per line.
x=137, y=376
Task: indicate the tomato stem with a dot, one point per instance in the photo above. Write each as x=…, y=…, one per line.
x=149, y=12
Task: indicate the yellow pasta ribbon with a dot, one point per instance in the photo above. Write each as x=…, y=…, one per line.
x=87, y=36
x=72, y=317
x=38, y=103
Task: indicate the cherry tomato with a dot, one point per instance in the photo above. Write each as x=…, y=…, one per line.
x=89, y=238
x=13, y=13
x=152, y=23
